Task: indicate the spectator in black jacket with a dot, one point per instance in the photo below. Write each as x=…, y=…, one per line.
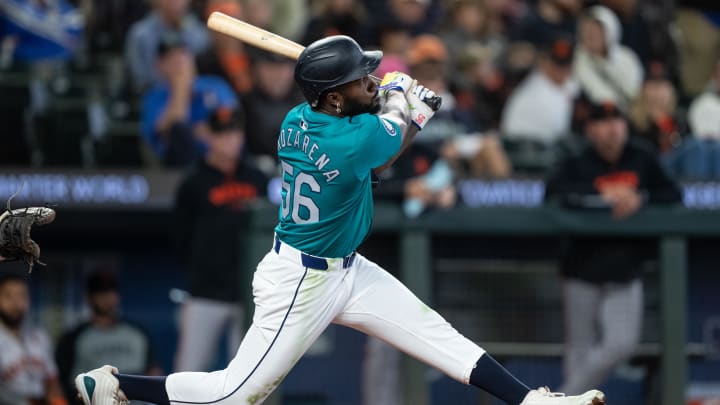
x=210, y=217
x=603, y=293
x=274, y=93
x=105, y=338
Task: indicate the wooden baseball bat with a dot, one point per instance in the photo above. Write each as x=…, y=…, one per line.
x=253, y=35
x=270, y=42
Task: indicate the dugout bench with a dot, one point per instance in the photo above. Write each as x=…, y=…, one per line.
x=672, y=225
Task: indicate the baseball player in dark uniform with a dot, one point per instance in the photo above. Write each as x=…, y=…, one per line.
x=602, y=276
x=312, y=275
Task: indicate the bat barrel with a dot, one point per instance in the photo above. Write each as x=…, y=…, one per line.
x=253, y=35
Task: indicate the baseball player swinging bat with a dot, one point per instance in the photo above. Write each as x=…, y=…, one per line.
x=270, y=42
x=312, y=275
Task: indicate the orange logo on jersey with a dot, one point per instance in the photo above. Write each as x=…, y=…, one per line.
x=232, y=193
x=629, y=179
x=562, y=49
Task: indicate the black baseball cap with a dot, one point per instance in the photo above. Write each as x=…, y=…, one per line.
x=170, y=40
x=603, y=111
x=225, y=119
x=13, y=274
x=101, y=280
x=560, y=50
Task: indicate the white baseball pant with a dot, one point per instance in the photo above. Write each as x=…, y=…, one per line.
x=293, y=306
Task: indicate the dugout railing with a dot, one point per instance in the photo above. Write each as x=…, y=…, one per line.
x=671, y=225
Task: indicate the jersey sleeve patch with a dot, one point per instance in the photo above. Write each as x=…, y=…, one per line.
x=389, y=127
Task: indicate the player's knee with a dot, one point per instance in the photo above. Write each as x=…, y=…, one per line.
x=620, y=350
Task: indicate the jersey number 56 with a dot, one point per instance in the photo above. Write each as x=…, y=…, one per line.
x=304, y=210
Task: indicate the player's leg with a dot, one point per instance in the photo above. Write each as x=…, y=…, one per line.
x=293, y=306
x=620, y=320
x=381, y=306
x=201, y=323
x=236, y=328
x=581, y=306
x=381, y=374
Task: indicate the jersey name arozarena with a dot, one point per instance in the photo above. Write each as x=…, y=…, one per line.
x=294, y=138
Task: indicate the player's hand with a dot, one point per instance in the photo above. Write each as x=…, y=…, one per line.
x=182, y=69
x=625, y=201
x=398, y=81
x=420, y=111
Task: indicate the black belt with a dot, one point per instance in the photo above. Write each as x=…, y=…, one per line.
x=314, y=262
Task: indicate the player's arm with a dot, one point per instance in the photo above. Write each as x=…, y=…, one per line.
x=662, y=189
x=418, y=114
x=53, y=391
x=396, y=110
x=51, y=378
x=185, y=211
x=565, y=180
x=408, y=137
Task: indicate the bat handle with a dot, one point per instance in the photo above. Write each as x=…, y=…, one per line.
x=434, y=102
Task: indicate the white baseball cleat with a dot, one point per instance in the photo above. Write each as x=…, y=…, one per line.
x=543, y=396
x=100, y=387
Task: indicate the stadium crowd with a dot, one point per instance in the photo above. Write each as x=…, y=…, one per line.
x=131, y=83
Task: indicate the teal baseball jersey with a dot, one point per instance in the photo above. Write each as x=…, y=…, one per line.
x=327, y=205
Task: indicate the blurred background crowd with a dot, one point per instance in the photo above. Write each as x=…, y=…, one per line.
x=90, y=85
x=130, y=83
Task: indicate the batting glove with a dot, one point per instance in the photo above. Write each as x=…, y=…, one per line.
x=420, y=111
x=395, y=81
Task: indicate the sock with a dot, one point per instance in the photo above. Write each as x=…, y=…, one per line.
x=144, y=388
x=495, y=379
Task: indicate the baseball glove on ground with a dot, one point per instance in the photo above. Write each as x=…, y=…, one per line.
x=15, y=227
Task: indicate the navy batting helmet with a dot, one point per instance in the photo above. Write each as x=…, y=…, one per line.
x=330, y=62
